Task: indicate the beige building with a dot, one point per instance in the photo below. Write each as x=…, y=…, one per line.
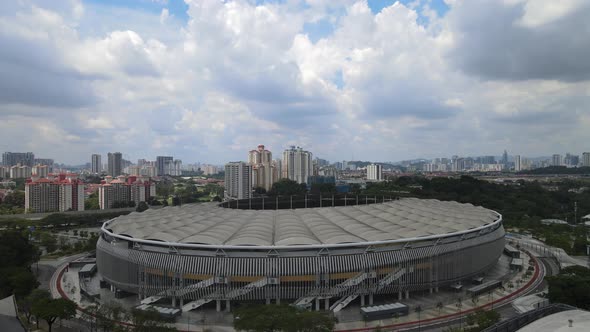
x=40, y=171
x=121, y=191
x=262, y=168
x=20, y=171
x=297, y=164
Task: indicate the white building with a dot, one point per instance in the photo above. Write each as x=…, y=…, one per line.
x=586, y=159
x=262, y=167
x=173, y=167
x=40, y=171
x=20, y=171
x=556, y=160
x=517, y=163
x=375, y=172
x=63, y=192
x=297, y=164
x=238, y=180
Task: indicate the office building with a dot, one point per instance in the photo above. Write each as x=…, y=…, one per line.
x=375, y=172
x=161, y=162
x=115, y=166
x=297, y=164
x=517, y=163
x=586, y=159
x=96, y=164
x=238, y=180
x=556, y=160
x=15, y=158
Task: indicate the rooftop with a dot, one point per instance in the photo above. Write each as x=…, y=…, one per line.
x=560, y=322
x=210, y=224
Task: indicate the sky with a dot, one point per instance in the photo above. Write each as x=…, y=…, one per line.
x=209, y=80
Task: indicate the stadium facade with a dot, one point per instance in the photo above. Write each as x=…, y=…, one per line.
x=297, y=252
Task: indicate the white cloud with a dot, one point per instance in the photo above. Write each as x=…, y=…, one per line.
x=238, y=74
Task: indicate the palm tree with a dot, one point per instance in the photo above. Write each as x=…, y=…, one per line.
x=418, y=311
x=459, y=305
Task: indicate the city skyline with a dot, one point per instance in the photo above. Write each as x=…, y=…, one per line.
x=374, y=80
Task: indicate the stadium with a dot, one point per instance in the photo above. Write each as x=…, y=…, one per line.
x=311, y=252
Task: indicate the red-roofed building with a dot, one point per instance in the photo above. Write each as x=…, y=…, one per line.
x=63, y=192
x=121, y=191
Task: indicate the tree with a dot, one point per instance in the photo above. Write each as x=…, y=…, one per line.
x=52, y=309
x=26, y=304
x=142, y=206
x=16, y=256
x=175, y=201
x=418, y=311
x=286, y=187
x=271, y=318
x=149, y=321
x=439, y=306
x=92, y=203
x=571, y=286
x=131, y=204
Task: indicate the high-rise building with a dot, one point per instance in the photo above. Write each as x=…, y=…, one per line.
x=375, y=172
x=161, y=162
x=297, y=164
x=586, y=159
x=238, y=180
x=120, y=191
x=571, y=160
x=115, y=166
x=262, y=167
x=556, y=160
x=45, y=161
x=15, y=158
x=19, y=171
x=505, y=159
x=517, y=163
x=40, y=171
x=96, y=164
x=173, y=167
x=64, y=192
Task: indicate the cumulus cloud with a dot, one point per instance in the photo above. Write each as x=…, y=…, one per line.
x=521, y=40
x=487, y=75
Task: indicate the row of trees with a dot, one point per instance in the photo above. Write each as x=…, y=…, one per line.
x=13, y=203
x=107, y=317
x=571, y=286
x=286, y=318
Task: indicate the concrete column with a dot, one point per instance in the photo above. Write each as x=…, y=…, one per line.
x=227, y=305
x=218, y=305
x=407, y=294
x=430, y=290
x=267, y=300
x=278, y=300
x=317, y=304
x=174, y=301
x=399, y=296
x=327, y=304
x=436, y=289
x=362, y=300
x=181, y=303
x=370, y=298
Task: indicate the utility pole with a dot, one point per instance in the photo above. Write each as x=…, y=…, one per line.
x=575, y=213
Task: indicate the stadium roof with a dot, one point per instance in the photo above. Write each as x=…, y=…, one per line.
x=210, y=224
x=560, y=322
